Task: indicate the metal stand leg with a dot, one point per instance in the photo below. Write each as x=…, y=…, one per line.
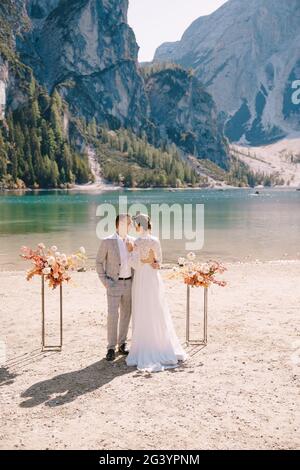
x=44, y=346
x=205, y=320
x=188, y=301
x=203, y=341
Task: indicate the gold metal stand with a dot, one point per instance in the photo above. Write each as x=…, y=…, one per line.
x=203, y=341
x=44, y=346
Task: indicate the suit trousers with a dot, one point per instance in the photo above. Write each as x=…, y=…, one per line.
x=118, y=312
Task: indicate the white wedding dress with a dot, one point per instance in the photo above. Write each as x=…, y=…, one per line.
x=154, y=345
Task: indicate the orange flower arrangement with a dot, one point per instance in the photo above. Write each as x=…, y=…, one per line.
x=199, y=274
x=52, y=264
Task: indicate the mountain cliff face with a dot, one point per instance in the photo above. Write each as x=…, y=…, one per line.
x=84, y=52
x=13, y=74
x=247, y=54
x=185, y=113
x=37, y=148
x=87, y=50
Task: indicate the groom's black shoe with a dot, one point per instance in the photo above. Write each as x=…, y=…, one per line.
x=111, y=355
x=123, y=350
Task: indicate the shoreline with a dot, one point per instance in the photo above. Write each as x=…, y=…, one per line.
x=92, y=188
x=168, y=266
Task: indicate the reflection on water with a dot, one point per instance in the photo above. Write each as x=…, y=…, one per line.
x=238, y=224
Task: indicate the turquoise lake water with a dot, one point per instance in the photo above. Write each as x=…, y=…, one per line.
x=239, y=225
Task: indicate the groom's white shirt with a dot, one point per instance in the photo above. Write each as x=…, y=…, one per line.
x=125, y=268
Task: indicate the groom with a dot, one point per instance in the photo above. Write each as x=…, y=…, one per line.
x=116, y=275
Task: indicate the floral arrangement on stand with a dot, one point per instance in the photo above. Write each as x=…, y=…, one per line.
x=52, y=264
x=197, y=274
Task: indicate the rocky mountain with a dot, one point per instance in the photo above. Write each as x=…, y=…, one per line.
x=247, y=54
x=184, y=112
x=13, y=74
x=80, y=58
x=87, y=49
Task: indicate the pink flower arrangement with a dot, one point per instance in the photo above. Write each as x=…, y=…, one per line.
x=197, y=274
x=52, y=264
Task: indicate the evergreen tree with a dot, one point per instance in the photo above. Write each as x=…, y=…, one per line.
x=35, y=149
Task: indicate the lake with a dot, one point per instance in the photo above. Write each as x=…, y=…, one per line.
x=239, y=225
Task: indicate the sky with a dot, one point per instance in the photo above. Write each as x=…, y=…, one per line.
x=158, y=21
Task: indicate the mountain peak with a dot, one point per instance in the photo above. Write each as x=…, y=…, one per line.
x=248, y=55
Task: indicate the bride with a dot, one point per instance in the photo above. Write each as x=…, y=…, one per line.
x=154, y=346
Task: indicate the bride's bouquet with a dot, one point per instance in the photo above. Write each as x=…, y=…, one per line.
x=197, y=274
x=52, y=264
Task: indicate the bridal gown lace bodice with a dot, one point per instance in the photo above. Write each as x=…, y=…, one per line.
x=144, y=246
x=155, y=346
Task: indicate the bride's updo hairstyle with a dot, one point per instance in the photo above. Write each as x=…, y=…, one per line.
x=143, y=220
